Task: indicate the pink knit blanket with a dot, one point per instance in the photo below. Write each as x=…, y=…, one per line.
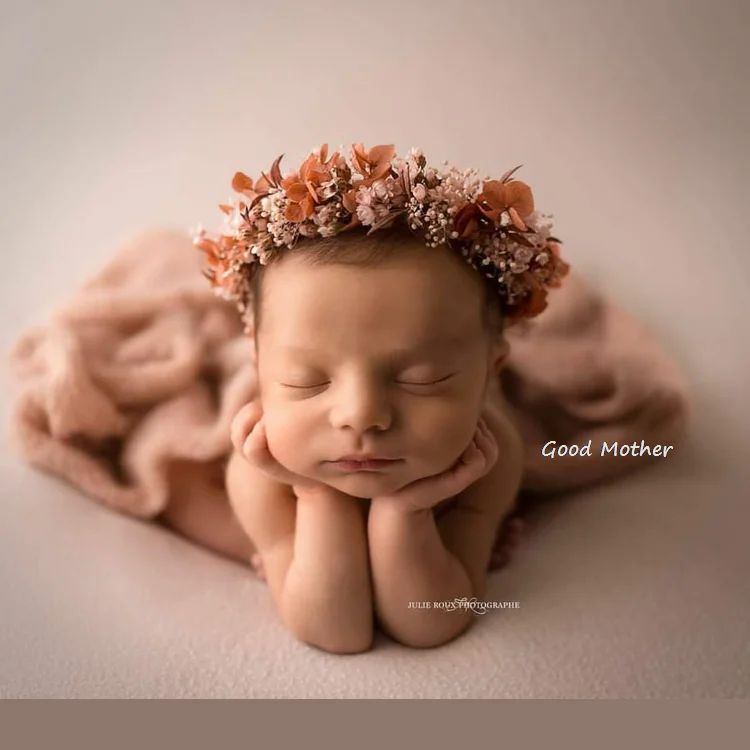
x=129, y=390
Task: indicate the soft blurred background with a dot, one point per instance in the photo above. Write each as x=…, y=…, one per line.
x=631, y=121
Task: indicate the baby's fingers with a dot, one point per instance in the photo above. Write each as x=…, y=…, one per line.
x=243, y=423
x=469, y=468
x=487, y=445
x=256, y=450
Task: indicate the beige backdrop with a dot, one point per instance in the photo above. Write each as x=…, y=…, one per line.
x=631, y=120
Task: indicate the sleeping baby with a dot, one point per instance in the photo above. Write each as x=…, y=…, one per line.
x=376, y=463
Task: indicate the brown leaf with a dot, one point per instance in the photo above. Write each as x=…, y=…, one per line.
x=264, y=176
x=505, y=177
x=405, y=179
x=276, y=172
x=386, y=220
x=256, y=200
x=262, y=185
x=519, y=238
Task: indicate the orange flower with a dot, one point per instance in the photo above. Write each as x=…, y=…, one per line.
x=241, y=183
x=515, y=197
x=217, y=263
x=300, y=187
x=219, y=257
x=372, y=165
x=466, y=221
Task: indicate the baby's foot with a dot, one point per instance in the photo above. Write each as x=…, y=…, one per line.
x=507, y=540
x=256, y=562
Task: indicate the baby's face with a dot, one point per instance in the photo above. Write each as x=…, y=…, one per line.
x=391, y=361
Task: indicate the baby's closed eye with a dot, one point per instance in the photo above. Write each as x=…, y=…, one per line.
x=412, y=380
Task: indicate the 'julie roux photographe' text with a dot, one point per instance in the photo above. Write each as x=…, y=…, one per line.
x=552, y=449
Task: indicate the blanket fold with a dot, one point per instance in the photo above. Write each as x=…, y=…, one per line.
x=144, y=368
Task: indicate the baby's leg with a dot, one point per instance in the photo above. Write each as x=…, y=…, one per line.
x=199, y=510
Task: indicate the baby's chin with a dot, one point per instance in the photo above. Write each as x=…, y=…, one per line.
x=366, y=483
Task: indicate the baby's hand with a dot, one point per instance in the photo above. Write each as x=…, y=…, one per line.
x=478, y=458
x=249, y=439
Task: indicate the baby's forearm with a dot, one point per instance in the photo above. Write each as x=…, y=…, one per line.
x=327, y=596
x=410, y=565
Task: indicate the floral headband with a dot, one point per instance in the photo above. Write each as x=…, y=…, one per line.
x=493, y=224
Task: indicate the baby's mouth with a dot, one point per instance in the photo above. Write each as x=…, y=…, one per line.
x=371, y=465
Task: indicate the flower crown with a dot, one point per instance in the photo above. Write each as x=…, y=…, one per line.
x=492, y=224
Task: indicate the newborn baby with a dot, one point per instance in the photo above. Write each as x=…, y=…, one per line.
x=374, y=347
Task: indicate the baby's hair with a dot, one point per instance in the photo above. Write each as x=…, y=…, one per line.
x=368, y=251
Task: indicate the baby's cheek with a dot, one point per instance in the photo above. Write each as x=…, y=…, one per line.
x=286, y=439
x=446, y=436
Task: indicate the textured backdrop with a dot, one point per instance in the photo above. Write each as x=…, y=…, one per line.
x=631, y=120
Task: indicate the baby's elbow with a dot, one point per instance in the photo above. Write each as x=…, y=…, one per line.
x=343, y=630
x=355, y=636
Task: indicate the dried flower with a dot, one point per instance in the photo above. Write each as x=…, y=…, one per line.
x=493, y=225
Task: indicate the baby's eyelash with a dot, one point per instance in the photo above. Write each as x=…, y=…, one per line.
x=320, y=385
x=432, y=382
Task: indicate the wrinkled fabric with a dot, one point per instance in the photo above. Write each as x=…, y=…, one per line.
x=132, y=385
